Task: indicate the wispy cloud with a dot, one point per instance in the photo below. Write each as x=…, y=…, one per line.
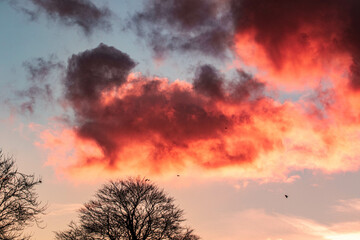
x=82, y=13
x=349, y=205
x=337, y=231
x=258, y=224
x=59, y=209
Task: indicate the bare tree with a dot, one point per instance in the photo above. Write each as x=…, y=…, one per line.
x=74, y=232
x=19, y=205
x=132, y=209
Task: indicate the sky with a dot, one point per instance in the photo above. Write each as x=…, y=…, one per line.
x=246, y=100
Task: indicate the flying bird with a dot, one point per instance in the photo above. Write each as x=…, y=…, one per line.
x=178, y=175
x=286, y=196
x=146, y=180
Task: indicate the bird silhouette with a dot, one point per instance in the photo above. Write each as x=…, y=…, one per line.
x=146, y=180
x=178, y=175
x=286, y=196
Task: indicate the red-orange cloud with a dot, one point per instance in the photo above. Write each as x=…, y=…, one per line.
x=131, y=124
x=152, y=124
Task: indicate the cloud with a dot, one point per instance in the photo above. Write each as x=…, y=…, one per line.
x=127, y=123
x=284, y=39
x=255, y=224
x=82, y=13
x=336, y=231
x=300, y=39
x=134, y=120
x=184, y=25
x=209, y=82
x=349, y=205
x=39, y=88
x=39, y=71
x=58, y=209
x=131, y=123
x=94, y=71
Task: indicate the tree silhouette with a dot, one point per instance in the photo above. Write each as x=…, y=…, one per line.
x=132, y=209
x=74, y=232
x=19, y=205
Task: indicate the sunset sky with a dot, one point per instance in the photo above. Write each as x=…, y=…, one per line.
x=246, y=100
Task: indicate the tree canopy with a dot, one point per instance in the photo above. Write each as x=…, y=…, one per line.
x=131, y=209
x=19, y=204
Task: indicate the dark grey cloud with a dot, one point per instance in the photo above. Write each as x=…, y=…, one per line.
x=82, y=13
x=39, y=86
x=209, y=81
x=93, y=71
x=184, y=25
